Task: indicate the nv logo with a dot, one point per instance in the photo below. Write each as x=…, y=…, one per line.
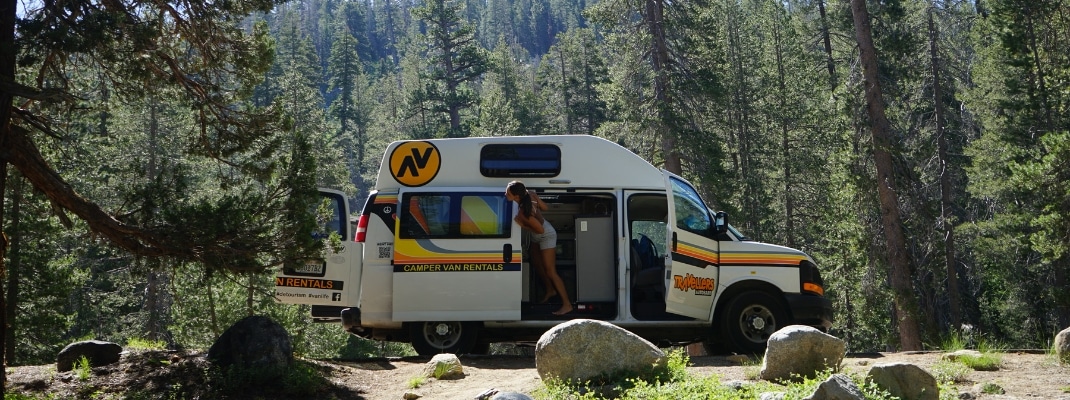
x=415, y=163
x=336, y=297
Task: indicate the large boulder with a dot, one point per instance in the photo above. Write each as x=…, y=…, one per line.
x=1062, y=347
x=905, y=381
x=444, y=366
x=253, y=342
x=98, y=353
x=582, y=349
x=798, y=351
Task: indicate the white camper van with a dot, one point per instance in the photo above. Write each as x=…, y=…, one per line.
x=437, y=260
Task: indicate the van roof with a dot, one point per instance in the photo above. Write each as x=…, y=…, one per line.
x=586, y=161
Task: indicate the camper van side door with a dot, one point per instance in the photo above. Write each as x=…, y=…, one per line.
x=691, y=258
x=456, y=256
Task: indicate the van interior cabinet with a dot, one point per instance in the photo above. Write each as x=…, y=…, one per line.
x=594, y=259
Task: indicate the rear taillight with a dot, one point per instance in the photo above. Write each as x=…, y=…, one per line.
x=362, y=229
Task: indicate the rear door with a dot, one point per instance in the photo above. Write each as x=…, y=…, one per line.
x=333, y=279
x=691, y=255
x=456, y=256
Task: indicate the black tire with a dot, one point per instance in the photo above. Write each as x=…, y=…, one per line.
x=750, y=318
x=431, y=338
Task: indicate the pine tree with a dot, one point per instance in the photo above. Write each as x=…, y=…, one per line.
x=905, y=302
x=456, y=61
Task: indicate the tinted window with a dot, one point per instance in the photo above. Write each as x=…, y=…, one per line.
x=519, y=160
x=330, y=214
x=690, y=211
x=454, y=215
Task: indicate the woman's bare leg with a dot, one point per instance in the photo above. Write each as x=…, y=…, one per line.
x=549, y=262
x=536, y=264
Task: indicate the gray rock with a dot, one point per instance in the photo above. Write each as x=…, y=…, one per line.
x=582, y=349
x=411, y=395
x=772, y=396
x=510, y=396
x=253, y=342
x=906, y=381
x=1062, y=347
x=98, y=353
x=444, y=366
x=798, y=351
x=837, y=387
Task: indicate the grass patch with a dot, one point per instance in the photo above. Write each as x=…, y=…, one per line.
x=82, y=369
x=144, y=344
x=992, y=388
x=441, y=369
x=984, y=362
x=416, y=382
x=20, y=396
x=947, y=371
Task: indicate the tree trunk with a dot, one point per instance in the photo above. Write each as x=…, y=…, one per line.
x=827, y=40
x=880, y=128
x=566, y=108
x=13, y=271
x=7, y=74
x=946, y=223
x=785, y=142
x=654, y=18
x=3, y=268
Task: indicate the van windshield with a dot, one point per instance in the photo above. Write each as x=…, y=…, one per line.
x=737, y=233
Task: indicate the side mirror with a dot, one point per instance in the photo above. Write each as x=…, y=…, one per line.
x=720, y=223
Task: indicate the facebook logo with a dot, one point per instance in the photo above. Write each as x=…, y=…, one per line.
x=336, y=296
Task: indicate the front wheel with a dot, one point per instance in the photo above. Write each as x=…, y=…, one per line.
x=750, y=318
x=431, y=338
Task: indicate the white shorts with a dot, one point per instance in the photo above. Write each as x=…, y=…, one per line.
x=548, y=238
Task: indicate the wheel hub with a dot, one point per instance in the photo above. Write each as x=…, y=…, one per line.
x=442, y=329
x=757, y=323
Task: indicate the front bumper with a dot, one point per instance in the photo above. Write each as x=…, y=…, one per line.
x=815, y=311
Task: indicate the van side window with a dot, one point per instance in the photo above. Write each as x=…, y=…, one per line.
x=691, y=213
x=330, y=215
x=454, y=215
x=519, y=160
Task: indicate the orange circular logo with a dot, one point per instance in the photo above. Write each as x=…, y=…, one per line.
x=415, y=163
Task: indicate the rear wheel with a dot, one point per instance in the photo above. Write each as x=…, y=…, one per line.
x=750, y=318
x=430, y=338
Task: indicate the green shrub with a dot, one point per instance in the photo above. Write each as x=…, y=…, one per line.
x=82, y=369
x=947, y=371
x=143, y=344
x=984, y=362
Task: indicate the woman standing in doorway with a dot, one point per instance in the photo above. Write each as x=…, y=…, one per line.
x=543, y=235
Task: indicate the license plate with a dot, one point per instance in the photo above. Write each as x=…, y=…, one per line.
x=310, y=267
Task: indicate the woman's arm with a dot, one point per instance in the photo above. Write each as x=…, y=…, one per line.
x=529, y=222
x=537, y=201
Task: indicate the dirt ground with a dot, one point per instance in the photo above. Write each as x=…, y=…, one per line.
x=1022, y=375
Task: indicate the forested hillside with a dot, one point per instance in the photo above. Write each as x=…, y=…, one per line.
x=158, y=155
